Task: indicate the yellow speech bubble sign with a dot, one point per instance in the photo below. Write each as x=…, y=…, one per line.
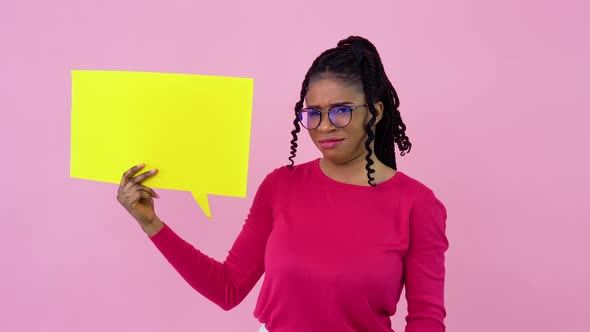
x=194, y=129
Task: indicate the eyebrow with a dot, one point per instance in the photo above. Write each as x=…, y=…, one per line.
x=332, y=105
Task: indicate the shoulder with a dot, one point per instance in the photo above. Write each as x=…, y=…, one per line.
x=282, y=177
x=285, y=172
x=411, y=185
x=419, y=193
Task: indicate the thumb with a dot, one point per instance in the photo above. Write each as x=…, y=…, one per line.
x=145, y=195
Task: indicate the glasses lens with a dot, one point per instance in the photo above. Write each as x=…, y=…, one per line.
x=309, y=118
x=340, y=115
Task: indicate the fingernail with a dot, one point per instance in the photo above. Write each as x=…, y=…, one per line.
x=154, y=170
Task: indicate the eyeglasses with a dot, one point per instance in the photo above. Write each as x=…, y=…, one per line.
x=339, y=115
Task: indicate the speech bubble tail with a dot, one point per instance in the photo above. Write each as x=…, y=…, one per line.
x=203, y=202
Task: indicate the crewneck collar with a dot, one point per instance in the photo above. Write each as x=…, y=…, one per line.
x=317, y=170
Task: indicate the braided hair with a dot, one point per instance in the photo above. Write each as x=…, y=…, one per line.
x=355, y=61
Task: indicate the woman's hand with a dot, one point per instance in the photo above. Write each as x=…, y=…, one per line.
x=138, y=199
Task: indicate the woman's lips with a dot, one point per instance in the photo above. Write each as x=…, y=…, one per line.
x=330, y=143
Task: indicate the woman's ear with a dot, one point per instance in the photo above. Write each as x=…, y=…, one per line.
x=379, y=107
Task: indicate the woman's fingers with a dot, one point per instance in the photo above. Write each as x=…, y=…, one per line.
x=148, y=190
x=131, y=196
x=145, y=195
x=151, y=191
x=133, y=199
x=138, y=179
x=128, y=175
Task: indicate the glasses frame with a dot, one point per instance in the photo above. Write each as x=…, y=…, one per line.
x=352, y=108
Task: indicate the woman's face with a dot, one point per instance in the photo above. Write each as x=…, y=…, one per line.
x=339, y=145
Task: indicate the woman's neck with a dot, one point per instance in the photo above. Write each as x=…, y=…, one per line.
x=355, y=172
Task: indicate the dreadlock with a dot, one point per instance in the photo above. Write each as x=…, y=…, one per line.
x=355, y=61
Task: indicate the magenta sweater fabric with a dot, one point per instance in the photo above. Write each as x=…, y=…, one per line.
x=335, y=256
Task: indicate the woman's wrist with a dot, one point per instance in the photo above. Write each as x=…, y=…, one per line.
x=154, y=227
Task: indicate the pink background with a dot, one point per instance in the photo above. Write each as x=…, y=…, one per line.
x=492, y=93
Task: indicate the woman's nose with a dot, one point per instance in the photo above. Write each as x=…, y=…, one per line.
x=325, y=123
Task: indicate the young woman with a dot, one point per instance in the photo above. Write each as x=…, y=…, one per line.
x=337, y=237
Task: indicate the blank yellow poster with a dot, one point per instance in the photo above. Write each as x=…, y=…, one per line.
x=194, y=129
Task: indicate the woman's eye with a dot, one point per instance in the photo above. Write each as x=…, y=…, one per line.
x=341, y=109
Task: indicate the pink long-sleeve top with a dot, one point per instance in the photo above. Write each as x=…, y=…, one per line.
x=335, y=256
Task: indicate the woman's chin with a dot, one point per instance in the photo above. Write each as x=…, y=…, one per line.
x=334, y=157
